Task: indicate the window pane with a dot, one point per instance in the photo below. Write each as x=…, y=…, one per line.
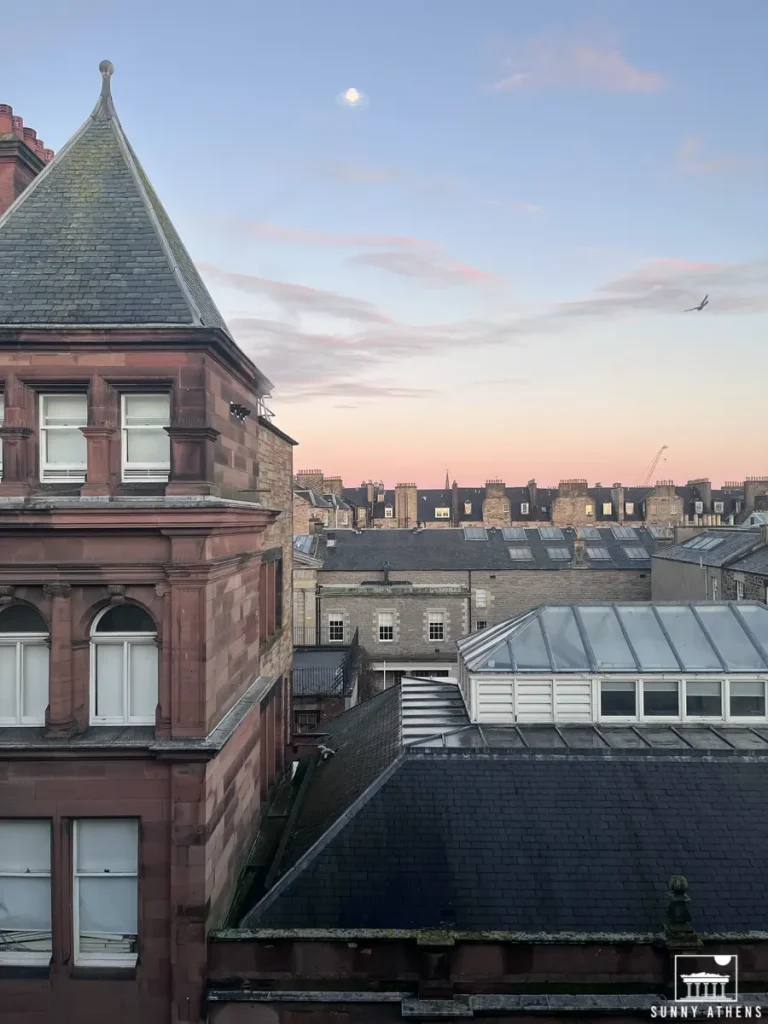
x=565, y=640
x=25, y=846
x=747, y=699
x=617, y=699
x=142, y=668
x=529, y=648
x=65, y=410
x=647, y=638
x=108, y=907
x=21, y=618
x=109, y=681
x=386, y=619
x=25, y=906
x=147, y=410
x=34, y=694
x=703, y=699
x=606, y=638
x=148, y=446
x=8, y=709
x=734, y=646
x=688, y=638
x=107, y=844
x=661, y=699
x=126, y=618
x=66, y=446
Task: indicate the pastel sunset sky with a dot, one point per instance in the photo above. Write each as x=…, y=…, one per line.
x=484, y=267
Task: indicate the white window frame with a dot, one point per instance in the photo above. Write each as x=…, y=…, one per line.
x=607, y=508
x=436, y=619
x=739, y=590
x=336, y=618
x=467, y=508
x=387, y=625
x=698, y=508
x=17, y=957
x=660, y=718
x=100, y=959
x=741, y=719
x=589, y=510
x=126, y=640
x=525, y=508
x=60, y=472
x=20, y=641
x=442, y=513
x=133, y=472
x=618, y=719
x=629, y=508
x=718, y=507
x=724, y=700
x=389, y=512
x=481, y=598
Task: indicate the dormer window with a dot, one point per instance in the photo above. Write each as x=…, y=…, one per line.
x=388, y=512
x=525, y=508
x=63, y=448
x=607, y=508
x=146, y=446
x=589, y=510
x=442, y=513
x=467, y=508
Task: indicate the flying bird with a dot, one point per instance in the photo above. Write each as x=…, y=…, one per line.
x=704, y=302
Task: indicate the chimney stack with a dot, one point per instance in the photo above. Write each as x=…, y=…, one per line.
x=22, y=156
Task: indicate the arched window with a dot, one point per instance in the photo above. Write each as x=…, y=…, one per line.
x=124, y=662
x=24, y=658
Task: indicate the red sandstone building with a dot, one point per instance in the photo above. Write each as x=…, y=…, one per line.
x=145, y=581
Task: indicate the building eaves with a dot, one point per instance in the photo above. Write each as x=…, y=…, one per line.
x=735, y=544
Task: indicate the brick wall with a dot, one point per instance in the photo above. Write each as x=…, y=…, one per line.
x=663, y=506
x=406, y=506
x=276, y=480
x=303, y=514
x=508, y=593
x=573, y=506
x=754, y=585
x=236, y=452
x=496, y=507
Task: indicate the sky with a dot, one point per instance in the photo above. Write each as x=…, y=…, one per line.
x=481, y=268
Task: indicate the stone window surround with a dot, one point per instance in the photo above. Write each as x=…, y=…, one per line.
x=446, y=619
x=20, y=442
x=377, y=625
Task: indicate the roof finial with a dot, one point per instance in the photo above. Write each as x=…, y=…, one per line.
x=107, y=69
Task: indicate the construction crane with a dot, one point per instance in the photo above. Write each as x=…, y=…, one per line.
x=654, y=464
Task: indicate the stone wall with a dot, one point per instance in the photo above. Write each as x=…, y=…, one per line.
x=496, y=506
x=754, y=585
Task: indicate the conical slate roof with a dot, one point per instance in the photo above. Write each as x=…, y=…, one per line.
x=89, y=243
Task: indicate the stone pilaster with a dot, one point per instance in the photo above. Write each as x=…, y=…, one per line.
x=60, y=715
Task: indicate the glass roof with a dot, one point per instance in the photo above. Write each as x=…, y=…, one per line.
x=513, y=533
x=589, y=533
x=475, y=533
x=717, y=637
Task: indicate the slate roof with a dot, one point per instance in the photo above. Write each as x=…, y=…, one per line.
x=570, y=838
x=321, y=500
x=630, y=636
x=449, y=549
x=756, y=562
x=731, y=544
x=88, y=243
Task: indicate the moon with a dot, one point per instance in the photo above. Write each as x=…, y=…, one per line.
x=723, y=961
x=352, y=98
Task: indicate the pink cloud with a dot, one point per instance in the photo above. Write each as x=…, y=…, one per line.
x=297, y=297
x=434, y=267
x=282, y=234
x=691, y=160
x=546, y=63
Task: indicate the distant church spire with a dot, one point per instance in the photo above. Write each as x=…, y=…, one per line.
x=447, y=481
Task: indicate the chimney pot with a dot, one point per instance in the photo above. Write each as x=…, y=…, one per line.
x=18, y=126
x=29, y=137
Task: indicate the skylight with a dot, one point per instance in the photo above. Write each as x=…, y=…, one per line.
x=559, y=554
x=704, y=542
x=589, y=533
x=513, y=533
x=521, y=554
x=624, y=532
x=636, y=553
x=475, y=533
x=550, y=533
x=660, y=531
x=598, y=553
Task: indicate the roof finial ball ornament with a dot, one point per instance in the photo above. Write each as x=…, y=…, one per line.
x=107, y=69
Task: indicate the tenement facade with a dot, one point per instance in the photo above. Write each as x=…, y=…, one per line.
x=145, y=597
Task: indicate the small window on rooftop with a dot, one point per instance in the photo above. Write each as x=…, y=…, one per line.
x=589, y=510
x=559, y=554
x=623, y=532
x=550, y=533
x=589, y=533
x=629, y=508
x=719, y=507
x=442, y=513
x=475, y=533
x=607, y=508
x=513, y=533
x=388, y=512
x=636, y=553
x=698, y=507
x=520, y=554
x=525, y=508
x=598, y=553
x=467, y=508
